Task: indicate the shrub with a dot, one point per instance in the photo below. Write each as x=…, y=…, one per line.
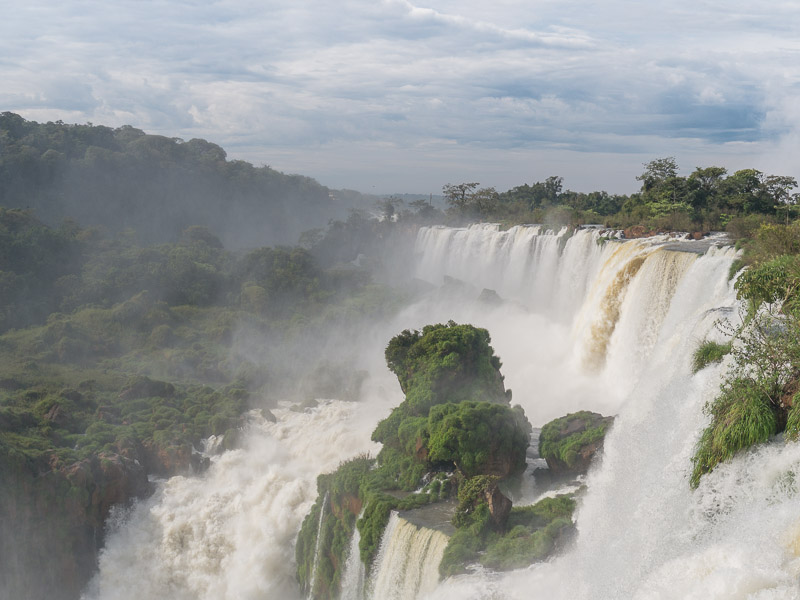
x=740, y=417
x=707, y=353
x=792, y=431
x=586, y=428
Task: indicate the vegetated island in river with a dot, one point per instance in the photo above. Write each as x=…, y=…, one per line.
x=455, y=438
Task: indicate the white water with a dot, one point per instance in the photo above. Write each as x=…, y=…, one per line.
x=407, y=564
x=607, y=327
x=355, y=573
x=318, y=544
x=230, y=534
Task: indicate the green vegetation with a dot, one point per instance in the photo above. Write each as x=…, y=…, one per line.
x=445, y=363
x=455, y=425
x=339, y=498
x=124, y=178
x=113, y=353
x=562, y=440
x=531, y=534
x=740, y=418
x=450, y=375
x=479, y=437
x=707, y=353
x=708, y=199
x=759, y=397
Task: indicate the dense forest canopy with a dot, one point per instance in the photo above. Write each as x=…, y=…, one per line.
x=124, y=178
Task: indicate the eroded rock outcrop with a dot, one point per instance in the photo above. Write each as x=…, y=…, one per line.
x=54, y=520
x=570, y=443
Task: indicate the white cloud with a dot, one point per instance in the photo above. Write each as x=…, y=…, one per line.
x=360, y=94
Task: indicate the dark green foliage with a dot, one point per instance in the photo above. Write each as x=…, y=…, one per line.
x=123, y=178
x=709, y=352
x=471, y=503
x=792, y=432
x=340, y=500
x=441, y=364
x=35, y=262
x=563, y=438
x=740, y=417
x=147, y=415
x=708, y=199
x=541, y=513
x=445, y=363
x=532, y=533
x=777, y=280
x=479, y=437
x=462, y=549
x=521, y=547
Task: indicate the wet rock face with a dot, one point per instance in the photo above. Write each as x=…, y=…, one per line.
x=499, y=506
x=56, y=521
x=569, y=444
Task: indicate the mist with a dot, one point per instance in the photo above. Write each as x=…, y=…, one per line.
x=125, y=179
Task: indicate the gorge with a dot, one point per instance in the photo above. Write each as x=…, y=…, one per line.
x=580, y=321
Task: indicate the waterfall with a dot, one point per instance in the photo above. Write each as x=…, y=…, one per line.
x=642, y=533
x=318, y=544
x=407, y=564
x=230, y=534
x=354, y=576
x=587, y=323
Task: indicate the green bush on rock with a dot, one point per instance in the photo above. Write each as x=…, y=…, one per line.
x=445, y=363
x=479, y=438
x=740, y=418
x=569, y=443
x=531, y=534
x=456, y=425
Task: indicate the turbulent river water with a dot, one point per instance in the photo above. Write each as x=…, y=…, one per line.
x=585, y=324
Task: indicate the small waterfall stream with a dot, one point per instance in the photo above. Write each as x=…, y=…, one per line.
x=318, y=545
x=407, y=564
x=354, y=577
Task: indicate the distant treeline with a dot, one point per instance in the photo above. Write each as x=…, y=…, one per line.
x=124, y=178
x=45, y=270
x=708, y=199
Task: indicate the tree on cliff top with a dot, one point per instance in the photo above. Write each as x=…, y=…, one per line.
x=445, y=363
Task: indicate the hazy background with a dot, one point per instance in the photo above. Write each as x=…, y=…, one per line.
x=392, y=96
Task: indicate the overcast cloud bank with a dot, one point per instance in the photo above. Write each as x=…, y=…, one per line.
x=398, y=97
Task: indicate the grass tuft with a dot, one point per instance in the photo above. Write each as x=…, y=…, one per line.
x=707, y=353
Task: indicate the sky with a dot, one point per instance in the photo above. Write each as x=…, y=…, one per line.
x=394, y=96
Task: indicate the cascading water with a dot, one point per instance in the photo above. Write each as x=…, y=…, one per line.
x=407, y=564
x=314, y=575
x=355, y=573
x=588, y=324
x=230, y=534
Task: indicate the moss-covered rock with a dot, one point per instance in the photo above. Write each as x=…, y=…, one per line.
x=325, y=534
x=445, y=363
x=569, y=443
x=531, y=533
x=54, y=519
x=455, y=430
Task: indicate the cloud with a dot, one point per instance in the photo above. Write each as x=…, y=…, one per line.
x=303, y=85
